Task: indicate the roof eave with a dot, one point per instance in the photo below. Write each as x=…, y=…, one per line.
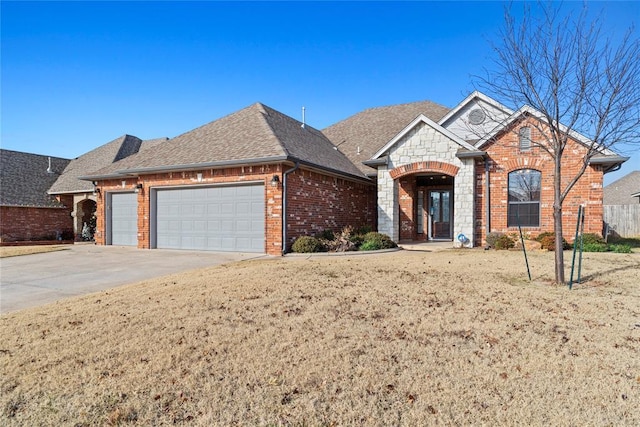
x=608, y=163
x=374, y=163
x=185, y=167
x=468, y=154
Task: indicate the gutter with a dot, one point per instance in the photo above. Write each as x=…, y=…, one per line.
x=196, y=166
x=284, y=205
x=487, y=168
x=609, y=163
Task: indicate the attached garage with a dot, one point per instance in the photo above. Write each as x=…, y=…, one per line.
x=122, y=217
x=221, y=218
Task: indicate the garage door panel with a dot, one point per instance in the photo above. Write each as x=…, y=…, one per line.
x=214, y=218
x=124, y=219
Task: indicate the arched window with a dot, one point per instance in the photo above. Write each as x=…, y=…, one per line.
x=524, y=136
x=524, y=198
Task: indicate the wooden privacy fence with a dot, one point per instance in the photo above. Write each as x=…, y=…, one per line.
x=622, y=220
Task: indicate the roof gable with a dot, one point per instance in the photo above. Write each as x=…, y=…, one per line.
x=532, y=112
x=113, y=151
x=488, y=112
x=363, y=134
x=25, y=179
x=425, y=120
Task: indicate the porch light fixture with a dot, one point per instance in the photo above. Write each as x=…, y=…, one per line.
x=138, y=188
x=275, y=181
x=96, y=191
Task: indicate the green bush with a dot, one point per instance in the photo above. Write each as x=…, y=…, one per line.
x=504, y=242
x=373, y=241
x=620, y=249
x=589, y=238
x=325, y=235
x=594, y=247
x=307, y=244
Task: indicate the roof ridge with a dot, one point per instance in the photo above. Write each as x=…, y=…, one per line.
x=264, y=112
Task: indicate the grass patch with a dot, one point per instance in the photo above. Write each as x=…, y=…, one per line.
x=399, y=338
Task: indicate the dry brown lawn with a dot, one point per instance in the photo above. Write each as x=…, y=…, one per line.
x=9, y=251
x=402, y=338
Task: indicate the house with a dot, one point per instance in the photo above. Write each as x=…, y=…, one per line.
x=257, y=179
x=622, y=206
x=27, y=212
x=79, y=194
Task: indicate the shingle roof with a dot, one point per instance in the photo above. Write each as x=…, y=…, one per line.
x=255, y=133
x=24, y=179
x=360, y=136
x=118, y=149
x=620, y=192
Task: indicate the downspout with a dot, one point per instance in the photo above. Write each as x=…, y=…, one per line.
x=487, y=167
x=284, y=206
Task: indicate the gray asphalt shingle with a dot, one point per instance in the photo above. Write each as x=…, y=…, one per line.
x=360, y=136
x=255, y=132
x=24, y=179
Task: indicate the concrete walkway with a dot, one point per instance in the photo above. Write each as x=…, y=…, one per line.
x=32, y=280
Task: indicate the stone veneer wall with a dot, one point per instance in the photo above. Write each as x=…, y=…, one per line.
x=425, y=144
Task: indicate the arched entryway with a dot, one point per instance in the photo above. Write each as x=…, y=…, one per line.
x=85, y=214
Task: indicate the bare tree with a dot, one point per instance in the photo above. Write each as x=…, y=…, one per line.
x=576, y=80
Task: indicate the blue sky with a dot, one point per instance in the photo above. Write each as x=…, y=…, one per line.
x=76, y=75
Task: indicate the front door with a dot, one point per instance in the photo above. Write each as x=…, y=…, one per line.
x=440, y=214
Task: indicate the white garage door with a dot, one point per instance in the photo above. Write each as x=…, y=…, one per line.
x=211, y=218
x=124, y=219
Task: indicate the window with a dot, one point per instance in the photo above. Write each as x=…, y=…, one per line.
x=524, y=198
x=525, y=138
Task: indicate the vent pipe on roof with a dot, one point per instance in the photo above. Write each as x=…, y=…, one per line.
x=303, y=117
x=49, y=170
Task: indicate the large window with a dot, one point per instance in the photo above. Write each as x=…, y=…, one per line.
x=524, y=198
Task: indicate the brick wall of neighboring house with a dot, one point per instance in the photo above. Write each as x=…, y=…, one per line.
x=26, y=223
x=316, y=202
x=505, y=156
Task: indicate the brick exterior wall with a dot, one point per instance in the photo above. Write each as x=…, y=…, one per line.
x=505, y=157
x=25, y=223
x=316, y=201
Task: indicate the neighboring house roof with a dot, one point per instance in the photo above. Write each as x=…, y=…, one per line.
x=623, y=191
x=114, y=151
x=360, y=136
x=256, y=134
x=25, y=179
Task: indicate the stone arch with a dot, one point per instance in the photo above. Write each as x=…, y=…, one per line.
x=424, y=167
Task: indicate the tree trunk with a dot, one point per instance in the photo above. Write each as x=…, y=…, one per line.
x=559, y=249
x=557, y=217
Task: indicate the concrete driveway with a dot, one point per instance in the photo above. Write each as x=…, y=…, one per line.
x=32, y=280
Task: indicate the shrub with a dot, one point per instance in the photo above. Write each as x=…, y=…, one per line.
x=341, y=242
x=594, y=247
x=373, y=241
x=493, y=237
x=548, y=241
x=589, y=238
x=326, y=235
x=307, y=244
x=620, y=249
x=504, y=242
